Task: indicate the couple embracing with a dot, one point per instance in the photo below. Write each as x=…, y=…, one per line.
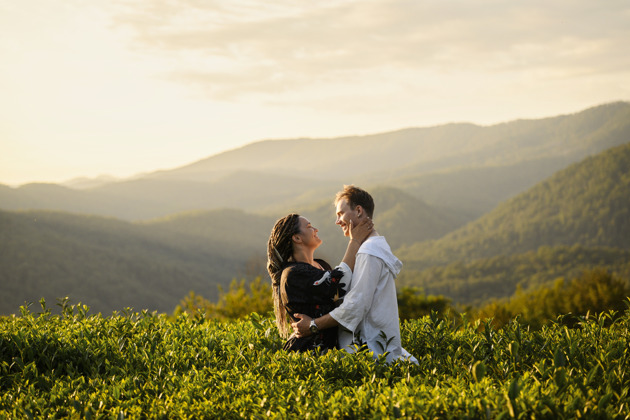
x=351, y=304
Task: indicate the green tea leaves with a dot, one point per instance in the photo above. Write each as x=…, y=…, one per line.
x=135, y=365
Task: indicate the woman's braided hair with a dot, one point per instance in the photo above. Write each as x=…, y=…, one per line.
x=279, y=253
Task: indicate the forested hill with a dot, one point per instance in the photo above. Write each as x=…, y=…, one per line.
x=110, y=264
x=401, y=217
x=586, y=204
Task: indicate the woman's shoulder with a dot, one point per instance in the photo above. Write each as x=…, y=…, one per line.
x=299, y=270
x=324, y=264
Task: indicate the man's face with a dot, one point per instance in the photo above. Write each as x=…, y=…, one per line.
x=345, y=214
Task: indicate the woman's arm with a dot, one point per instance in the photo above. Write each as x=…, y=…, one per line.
x=358, y=234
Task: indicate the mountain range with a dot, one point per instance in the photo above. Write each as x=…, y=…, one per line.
x=466, y=167
x=460, y=204
x=577, y=219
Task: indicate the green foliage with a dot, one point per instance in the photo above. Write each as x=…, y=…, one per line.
x=413, y=303
x=236, y=303
x=476, y=282
x=143, y=365
x=594, y=292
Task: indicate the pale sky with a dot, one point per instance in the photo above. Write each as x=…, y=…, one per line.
x=120, y=87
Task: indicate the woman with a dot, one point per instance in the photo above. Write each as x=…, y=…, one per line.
x=303, y=284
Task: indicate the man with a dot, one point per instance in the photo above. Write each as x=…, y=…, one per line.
x=369, y=312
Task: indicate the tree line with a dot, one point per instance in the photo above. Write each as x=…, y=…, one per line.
x=594, y=291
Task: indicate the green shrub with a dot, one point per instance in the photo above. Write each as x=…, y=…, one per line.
x=236, y=303
x=594, y=292
x=144, y=365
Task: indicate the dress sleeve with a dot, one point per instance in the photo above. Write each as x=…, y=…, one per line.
x=358, y=300
x=346, y=280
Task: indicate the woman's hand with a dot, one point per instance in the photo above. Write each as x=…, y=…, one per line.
x=362, y=230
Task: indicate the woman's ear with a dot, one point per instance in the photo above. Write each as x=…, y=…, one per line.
x=296, y=238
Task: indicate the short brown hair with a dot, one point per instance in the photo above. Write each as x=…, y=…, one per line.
x=356, y=197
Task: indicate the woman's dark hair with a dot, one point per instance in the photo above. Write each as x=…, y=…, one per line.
x=279, y=253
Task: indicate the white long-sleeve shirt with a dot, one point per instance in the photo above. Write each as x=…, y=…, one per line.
x=370, y=308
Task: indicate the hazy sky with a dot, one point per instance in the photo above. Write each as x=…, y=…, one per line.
x=121, y=87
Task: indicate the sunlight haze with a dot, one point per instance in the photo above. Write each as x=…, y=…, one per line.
x=124, y=87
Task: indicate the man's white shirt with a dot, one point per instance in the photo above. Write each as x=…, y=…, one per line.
x=370, y=307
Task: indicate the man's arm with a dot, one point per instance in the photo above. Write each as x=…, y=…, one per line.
x=355, y=304
x=302, y=327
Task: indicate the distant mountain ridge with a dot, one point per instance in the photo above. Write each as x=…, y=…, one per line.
x=429, y=149
x=84, y=183
x=437, y=165
x=587, y=204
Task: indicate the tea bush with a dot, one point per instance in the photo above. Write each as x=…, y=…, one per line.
x=146, y=365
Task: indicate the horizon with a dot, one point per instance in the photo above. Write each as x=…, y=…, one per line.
x=116, y=178
x=155, y=86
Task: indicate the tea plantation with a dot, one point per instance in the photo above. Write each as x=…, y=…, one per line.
x=143, y=365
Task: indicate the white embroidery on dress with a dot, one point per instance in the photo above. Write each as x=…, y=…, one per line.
x=324, y=278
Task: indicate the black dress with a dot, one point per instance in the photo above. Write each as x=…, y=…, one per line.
x=313, y=292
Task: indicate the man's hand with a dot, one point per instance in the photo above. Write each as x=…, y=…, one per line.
x=302, y=327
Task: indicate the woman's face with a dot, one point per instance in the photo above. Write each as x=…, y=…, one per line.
x=308, y=234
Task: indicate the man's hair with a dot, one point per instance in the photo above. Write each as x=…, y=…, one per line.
x=356, y=197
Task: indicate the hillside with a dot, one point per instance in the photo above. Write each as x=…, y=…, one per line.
x=465, y=167
x=110, y=264
x=476, y=282
x=476, y=191
x=400, y=217
x=586, y=204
